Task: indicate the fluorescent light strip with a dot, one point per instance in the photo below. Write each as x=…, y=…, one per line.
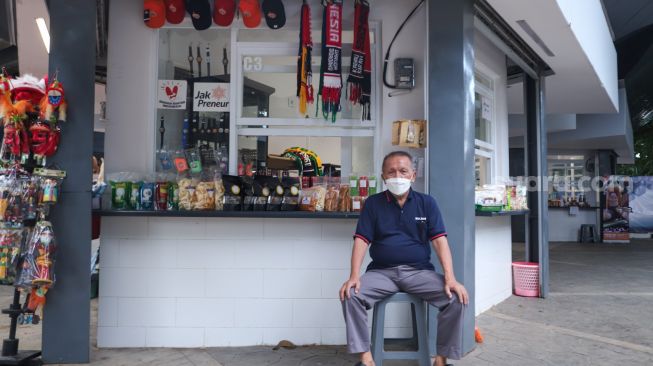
x=527, y=28
x=45, y=34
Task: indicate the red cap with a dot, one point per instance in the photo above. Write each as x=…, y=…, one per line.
x=251, y=12
x=154, y=13
x=175, y=11
x=223, y=12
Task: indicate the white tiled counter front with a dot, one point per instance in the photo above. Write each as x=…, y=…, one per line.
x=210, y=282
x=493, y=261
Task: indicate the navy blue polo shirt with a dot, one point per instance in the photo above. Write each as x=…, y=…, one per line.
x=400, y=236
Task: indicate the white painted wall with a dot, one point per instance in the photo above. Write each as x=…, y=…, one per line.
x=493, y=261
x=589, y=23
x=410, y=43
x=493, y=236
x=131, y=88
x=32, y=55
x=565, y=227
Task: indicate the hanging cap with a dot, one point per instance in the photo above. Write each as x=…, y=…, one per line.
x=200, y=13
x=251, y=12
x=275, y=14
x=175, y=11
x=154, y=13
x=224, y=11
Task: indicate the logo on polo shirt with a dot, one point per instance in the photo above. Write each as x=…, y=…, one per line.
x=420, y=218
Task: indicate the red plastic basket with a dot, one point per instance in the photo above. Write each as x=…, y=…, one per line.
x=526, y=277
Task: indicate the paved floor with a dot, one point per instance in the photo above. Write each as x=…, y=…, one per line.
x=599, y=313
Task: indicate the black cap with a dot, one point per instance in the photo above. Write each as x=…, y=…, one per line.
x=200, y=13
x=275, y=14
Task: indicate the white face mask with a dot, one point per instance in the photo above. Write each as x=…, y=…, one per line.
x=398, y=186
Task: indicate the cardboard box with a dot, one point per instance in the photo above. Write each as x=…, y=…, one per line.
x=409, y=133
x=281, y=163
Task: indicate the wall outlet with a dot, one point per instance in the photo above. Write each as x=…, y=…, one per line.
x=292, y=102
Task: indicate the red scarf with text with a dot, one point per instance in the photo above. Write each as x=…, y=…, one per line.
x=304, y=73
x=359, y=81
x=331, y=66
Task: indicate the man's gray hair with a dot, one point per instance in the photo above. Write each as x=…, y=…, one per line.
x=398, y=153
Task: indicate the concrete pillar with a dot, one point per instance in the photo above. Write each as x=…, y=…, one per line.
x=537, y=249
x=66, y=325
x=451, y=136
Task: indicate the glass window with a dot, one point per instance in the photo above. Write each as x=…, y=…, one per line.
x=268, y=118
x=256, y=70
x=192, y=57
x=270, y=83
x=484, y=128
x=566, y=172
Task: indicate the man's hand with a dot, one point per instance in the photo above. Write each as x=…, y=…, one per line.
x=354, y=282
x=455, y=286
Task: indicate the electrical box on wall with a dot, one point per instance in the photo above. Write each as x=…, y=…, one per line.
x=404, y=73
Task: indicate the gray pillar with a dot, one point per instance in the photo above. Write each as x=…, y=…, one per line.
x=451, y=136
x=66, y=322
x=537, y=249
x=607, y=162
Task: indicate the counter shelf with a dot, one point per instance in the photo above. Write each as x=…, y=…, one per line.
x=580, y=208
x=502, y=213
x=246, y=214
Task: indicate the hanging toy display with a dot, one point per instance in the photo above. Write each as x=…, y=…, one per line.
x=28, y=88
x=49, y=182
x=331, y=66
x=10, y=242
x=31, y=115
x=304, y=60
x=29, y=188
x=359, y=81
x=5, y=87
x=15, y=143
x=38, y=259
x=45, y=133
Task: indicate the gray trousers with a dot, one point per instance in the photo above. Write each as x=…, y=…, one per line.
x=378, y=284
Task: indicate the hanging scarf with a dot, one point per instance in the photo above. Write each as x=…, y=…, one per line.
x=304, y=73
x=360, y=72
x=330, y=69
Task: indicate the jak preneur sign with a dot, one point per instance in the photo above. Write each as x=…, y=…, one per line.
x=211, y=97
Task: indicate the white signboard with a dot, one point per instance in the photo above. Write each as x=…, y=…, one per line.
x=486, y=108
x=211, y=97
x=172, y=94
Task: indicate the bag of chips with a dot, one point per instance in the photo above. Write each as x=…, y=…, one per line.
x=291, y=191
x=273, y=184
x=233, y=200
x=187, y=187
x=312, y=199
x=331, y=198
x=173, y=197
x=146, y=196
x=219, y=191
x=261, y=193
x=120, y=191
x=344, y=198
x=248, y=193
x=204, y=196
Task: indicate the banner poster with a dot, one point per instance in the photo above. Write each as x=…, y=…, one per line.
x=615, y=224
x=211, y=97
x=172, y=94
x=641, y=202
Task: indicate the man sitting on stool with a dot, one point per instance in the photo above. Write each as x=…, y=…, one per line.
x=398, y=225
